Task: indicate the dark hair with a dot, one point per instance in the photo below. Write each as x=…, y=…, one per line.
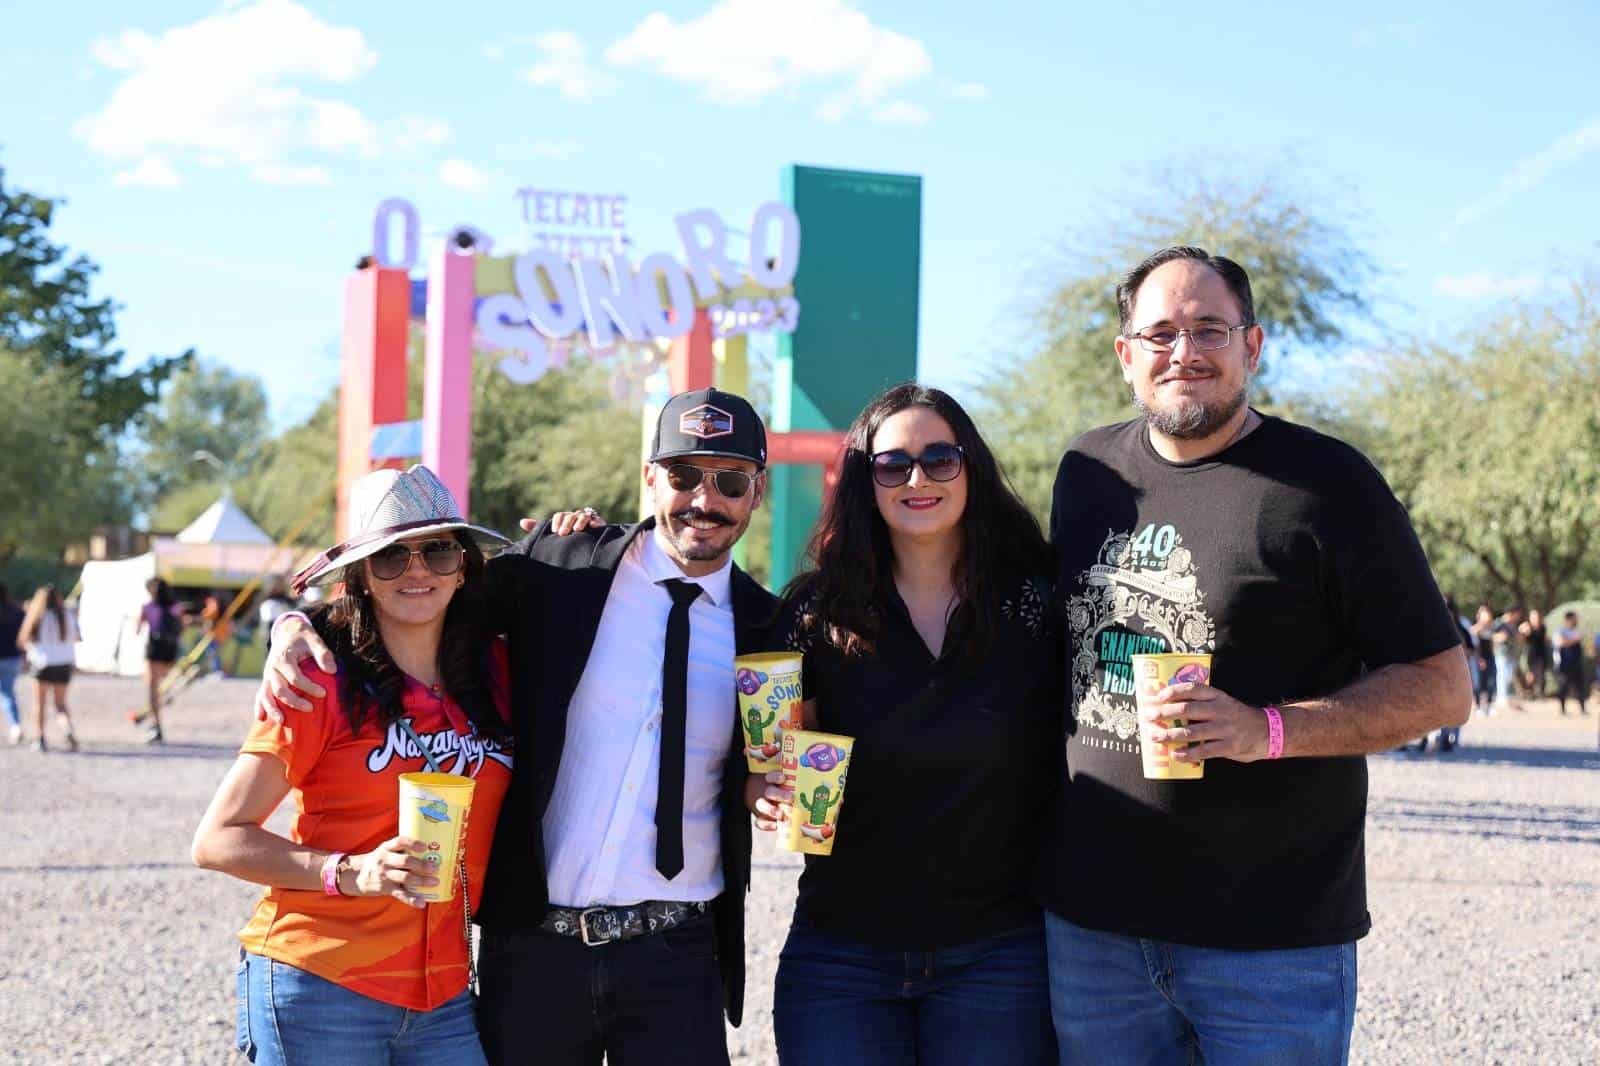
x=160, y=592
x=369, y=680
x=5, y=593
x=1232, y=274
x=851, y=554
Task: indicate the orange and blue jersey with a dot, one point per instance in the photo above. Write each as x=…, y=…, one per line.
x=346, y=792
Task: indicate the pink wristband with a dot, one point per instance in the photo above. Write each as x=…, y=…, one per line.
x=330, y=873
x=1274, y=732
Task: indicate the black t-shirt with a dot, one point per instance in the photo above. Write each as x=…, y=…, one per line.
x=1288, y=558
x=951, y=781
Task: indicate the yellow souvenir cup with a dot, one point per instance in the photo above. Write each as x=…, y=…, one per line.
x=769, y=705
x=815, y=766
x=1151, y=674
x=433, y=810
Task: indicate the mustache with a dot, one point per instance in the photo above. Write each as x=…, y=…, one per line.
x=694, y=514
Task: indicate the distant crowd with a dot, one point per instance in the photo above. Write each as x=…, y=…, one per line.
x=40, y=638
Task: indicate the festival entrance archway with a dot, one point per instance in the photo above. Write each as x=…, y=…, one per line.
x=845, y=313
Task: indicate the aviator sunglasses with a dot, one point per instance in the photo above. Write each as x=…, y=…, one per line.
x=443, y=557
x=939, y=462
x=730, y=483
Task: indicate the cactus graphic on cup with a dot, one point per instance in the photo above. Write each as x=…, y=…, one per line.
x=768, y=690
x=814, y=766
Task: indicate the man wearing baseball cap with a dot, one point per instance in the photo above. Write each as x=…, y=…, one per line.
x=613, y=911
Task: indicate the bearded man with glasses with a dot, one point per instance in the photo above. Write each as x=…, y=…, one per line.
x=613, y=909
x=1217, y=917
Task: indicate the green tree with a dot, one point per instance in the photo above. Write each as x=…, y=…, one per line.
x=1307, y=275
x=561, y=442
x=59, y=476
x=204, y=408
x=1492, y=440
x=293, y=476
x=48, y=316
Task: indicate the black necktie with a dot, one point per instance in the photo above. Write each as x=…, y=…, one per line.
x=674, y=730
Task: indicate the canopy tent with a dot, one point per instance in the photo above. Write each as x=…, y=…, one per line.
x=221, y=549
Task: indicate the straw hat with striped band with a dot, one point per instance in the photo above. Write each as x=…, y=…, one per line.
x=390, y=505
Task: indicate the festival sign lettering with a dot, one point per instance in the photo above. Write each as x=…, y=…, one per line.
x=604, y=294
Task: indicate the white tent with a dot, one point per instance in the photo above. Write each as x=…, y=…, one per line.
x=222, y=548
x=223, y=523
x=109, y=599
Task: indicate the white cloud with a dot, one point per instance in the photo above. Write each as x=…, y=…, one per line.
x=409, y=134
x=291, y=175
x=152, y=172
x=554, y=149
x=563, y=65
x=900, y=113
x=964, y=90
x=232, y=86
x=1483, y=286
x=741, y=52
x=460, y=174
x=1528, y=174
x=494, y=52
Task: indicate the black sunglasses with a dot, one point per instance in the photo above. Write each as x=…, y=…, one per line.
x=443, y=557
x=940, y=462
x=730, y=483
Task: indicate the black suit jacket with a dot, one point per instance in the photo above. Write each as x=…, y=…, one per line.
x=548, y=594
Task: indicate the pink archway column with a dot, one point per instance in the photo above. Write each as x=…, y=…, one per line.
x=447, y=378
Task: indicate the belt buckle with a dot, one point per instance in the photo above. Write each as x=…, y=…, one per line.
x=583, y=927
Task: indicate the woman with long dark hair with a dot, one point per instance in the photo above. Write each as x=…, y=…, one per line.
x=49, y=636
x=342, y=960
x=925, y=630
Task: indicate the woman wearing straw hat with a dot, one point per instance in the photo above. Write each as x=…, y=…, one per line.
x=342, y=960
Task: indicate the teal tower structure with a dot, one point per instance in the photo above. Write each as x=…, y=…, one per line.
x=858, y=287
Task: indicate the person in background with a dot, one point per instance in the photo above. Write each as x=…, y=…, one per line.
x=1482, y=630
x=217, y=629
x=1569, y=664
x=1503, y=637
x=49, y=635
x=1536, y=638
x=276, y=603
x=161, y=624
x=343, y=960
x=925, y=630
x=10, y=662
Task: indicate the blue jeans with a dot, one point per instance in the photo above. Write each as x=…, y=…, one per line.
x=840, y=1003
x=9, y=669
x=288, y=1017
x=1505, y=672
x=1122, y=1000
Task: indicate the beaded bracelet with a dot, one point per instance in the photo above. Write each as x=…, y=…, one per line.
x=1274, y=732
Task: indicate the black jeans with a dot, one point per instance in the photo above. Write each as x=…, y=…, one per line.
x=655, y=1000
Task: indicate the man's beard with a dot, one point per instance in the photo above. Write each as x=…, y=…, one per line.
x=699, y=553
x=1191, y=419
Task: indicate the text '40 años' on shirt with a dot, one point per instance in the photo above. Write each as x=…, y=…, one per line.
x=1289, y=559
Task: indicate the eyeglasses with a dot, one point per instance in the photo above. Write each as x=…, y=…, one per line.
x=730, y=483
x=443, y=557
x=940, y=462
x=1204, y=338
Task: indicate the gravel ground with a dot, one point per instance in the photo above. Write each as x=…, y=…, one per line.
x=1484, y=873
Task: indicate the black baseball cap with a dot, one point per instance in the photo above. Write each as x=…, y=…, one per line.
x=709, y=422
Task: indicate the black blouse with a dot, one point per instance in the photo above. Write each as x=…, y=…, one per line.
x=954, y=766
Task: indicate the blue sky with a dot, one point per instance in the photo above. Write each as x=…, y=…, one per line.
x=222, y=163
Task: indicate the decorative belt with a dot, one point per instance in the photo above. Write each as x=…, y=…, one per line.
x=606, y=925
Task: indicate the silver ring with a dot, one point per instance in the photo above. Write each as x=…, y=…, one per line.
x=590, y=511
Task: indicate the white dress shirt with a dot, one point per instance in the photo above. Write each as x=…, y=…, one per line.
x=599, y=830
